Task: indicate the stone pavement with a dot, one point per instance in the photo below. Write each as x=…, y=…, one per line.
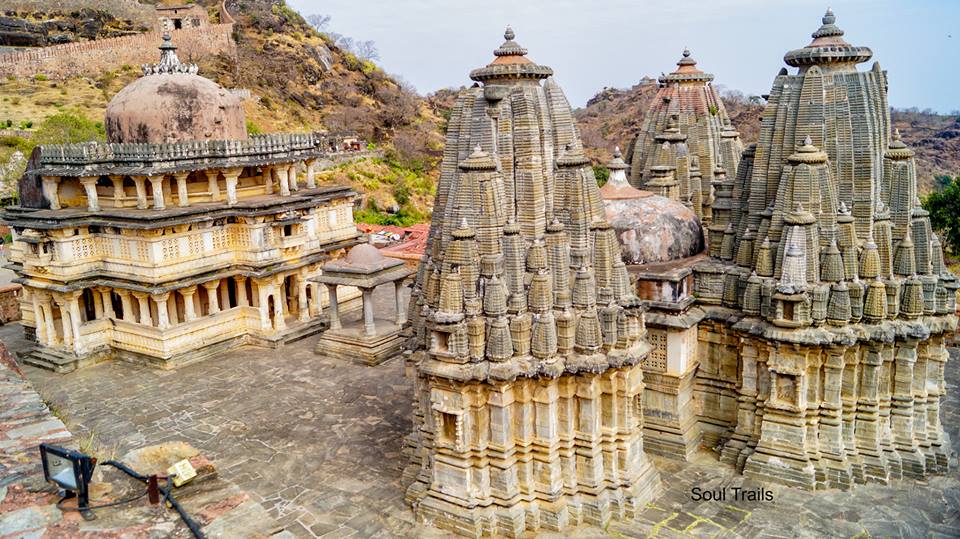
x=318, y=442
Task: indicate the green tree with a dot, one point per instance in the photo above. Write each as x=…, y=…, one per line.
x=66, y=127
x=601, y=173
x=944, y=208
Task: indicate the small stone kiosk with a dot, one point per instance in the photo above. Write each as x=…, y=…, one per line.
x=366, y=340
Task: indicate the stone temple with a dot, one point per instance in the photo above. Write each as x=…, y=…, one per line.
x=686, y=143
x=527, y=336
x=807, y=346
x=178, y=238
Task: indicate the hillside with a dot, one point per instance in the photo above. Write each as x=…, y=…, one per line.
x=614, y=116
x=299, y=79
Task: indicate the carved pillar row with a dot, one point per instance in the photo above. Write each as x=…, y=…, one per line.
x=831, y=435
x=886, y=394
x=89, y=184
x=107, y=300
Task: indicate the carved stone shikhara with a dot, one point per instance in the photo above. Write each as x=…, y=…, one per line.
x=178, y=244
x=686, y=143
x=526, y=336
x=822, y=343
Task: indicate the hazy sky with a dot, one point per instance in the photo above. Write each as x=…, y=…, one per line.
x=591, y=44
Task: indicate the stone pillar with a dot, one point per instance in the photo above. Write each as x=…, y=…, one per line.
x=369, y=328
x=868, y=428
x=241, y=282
x=401, y=308
x=163, y=317
x=278, y=309
x=263, y=304
x=107, y=301
x=213, y=299
x=268, y=179
x=97, y=305
x=139, y=181
x=281, y=172
x=334, y=306
x=65, y=324
x=90, y=186
x=317, y=305
x=188, y=312
x=232, y=176
x=118, y=193
x=303, y=308
x=213, y=180
x=156, y=182
x=886, y=394
x=125, y=304
x=73, y=300
x=183, y=196
x=292, y=173
x=311, y=179
x=51, y=190
x=734, y=449
x=39, y=319
x=833, y=455
x=902, y=413
x=145, y=318
x=937, y=455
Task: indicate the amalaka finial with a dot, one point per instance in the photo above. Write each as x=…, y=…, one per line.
x=829, y=17
x=896, y=133
x=508, y=34
x=808, y=141
x=686, y=52
x=616, y=152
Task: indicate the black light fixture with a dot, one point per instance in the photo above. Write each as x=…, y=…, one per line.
x=71, y=471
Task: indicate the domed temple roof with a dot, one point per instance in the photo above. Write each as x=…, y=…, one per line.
x=651, y=228
x=171, y=103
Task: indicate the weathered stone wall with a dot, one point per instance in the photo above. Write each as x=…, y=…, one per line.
x=73, y=59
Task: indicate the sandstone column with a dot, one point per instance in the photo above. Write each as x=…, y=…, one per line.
x=311, y=179
x=163, y=317
x=75, y=319
x=902, y=413
x=183, y=195
x=118, y=193
x=281, y=172
x=213, y=300
x=368, y=324
x=141, y=191
x=90, y=186
x=50, y=186
x=107, y=301
x=156, y=182
x=97, y=304
x=268, y=179
x=65, y=324
x=302, y=306
x=292, y=173
x=188, y=313
x=241, y=282
x=334, y=306
x=213, y=181
x=232, y=175
x=126, y=305
x=39, y=320
x=868, y=428
x=145, y=318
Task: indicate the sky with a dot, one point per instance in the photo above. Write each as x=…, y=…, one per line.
x=592, y=44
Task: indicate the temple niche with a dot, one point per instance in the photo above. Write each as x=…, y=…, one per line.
x=809, y=339
x=178, y=238
x=686, y=144
x=527, y=339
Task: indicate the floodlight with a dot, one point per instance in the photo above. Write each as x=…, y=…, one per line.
x=71, y=471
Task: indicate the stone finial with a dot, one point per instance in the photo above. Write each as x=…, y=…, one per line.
x=510, y=47
x=169, y=62
x=508, y=33
x=829, y=27
x=686, y=60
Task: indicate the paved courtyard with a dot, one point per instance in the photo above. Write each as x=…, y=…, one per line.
x=318, y=441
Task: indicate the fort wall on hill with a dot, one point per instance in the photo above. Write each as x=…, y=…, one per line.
x=84, y=58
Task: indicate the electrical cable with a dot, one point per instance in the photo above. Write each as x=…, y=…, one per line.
x=167, y=496
x=111, y=504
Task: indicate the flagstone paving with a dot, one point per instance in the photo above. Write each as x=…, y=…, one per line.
x=318, y=443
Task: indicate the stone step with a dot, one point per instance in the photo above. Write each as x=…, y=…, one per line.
x=304, y=332
x=51, y=360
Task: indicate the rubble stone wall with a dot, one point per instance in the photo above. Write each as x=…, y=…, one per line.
x=74, y=59
x=10, y=303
